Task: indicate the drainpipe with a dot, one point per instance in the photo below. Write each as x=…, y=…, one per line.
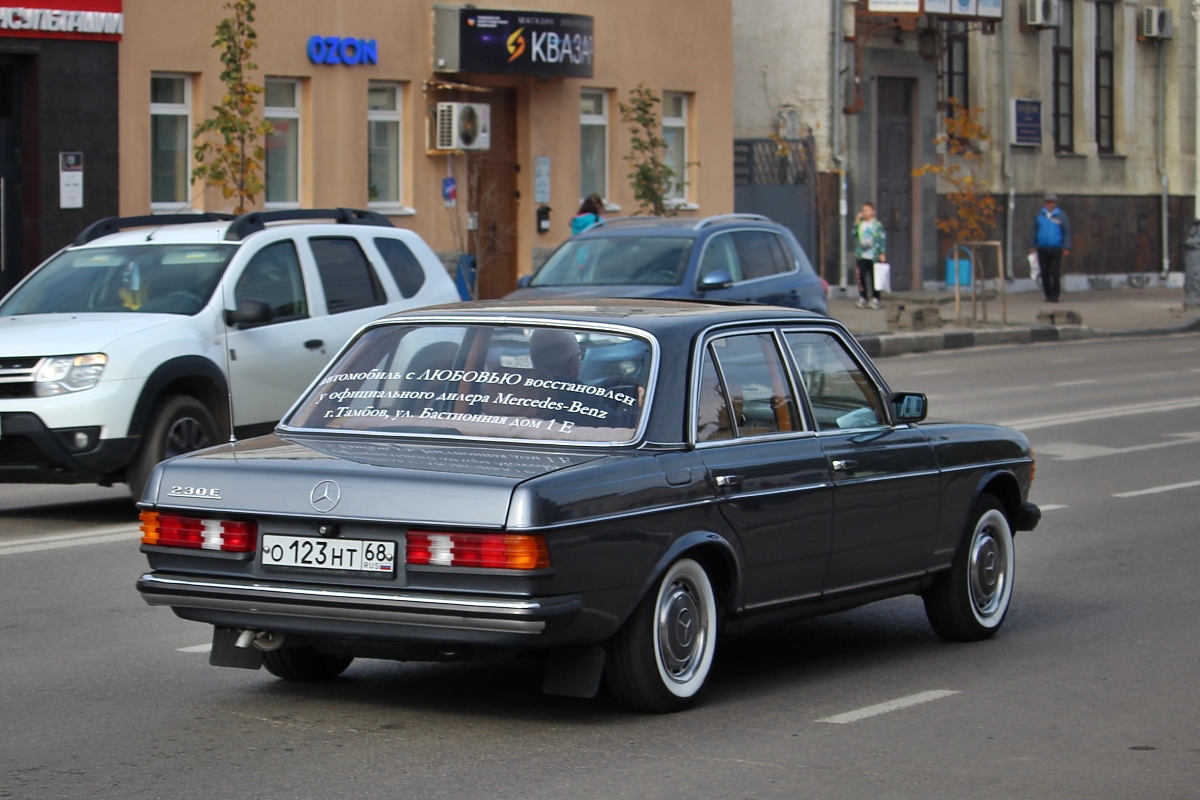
x=839, y=159
x=1162, y=156
x=1006, y=77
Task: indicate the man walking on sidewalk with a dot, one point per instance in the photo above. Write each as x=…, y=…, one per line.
x=870, y=245
x=1050, y=237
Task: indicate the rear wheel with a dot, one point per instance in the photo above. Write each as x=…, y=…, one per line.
x=662, y=655
x=178, y=425
x=304, y=664
x=969, y=602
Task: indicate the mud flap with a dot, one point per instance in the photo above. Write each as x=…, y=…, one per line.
x=226, y=653
x=574, y=671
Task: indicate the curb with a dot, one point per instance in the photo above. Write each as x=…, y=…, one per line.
x=896, y=344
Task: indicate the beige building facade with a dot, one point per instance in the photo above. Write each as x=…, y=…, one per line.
x=353, y=93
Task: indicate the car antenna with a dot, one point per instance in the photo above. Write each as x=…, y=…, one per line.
x=225, y=320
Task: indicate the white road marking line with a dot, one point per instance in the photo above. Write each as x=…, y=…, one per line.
x=925, y=372
x=196, y=648
x=1069, y=451
x=1182, y=350
x=116, y=533
x=1083, y=382
x=1159, y=489
x=1035, y=423
x=1065, y=360
x=1052, y=507
x=891, y=705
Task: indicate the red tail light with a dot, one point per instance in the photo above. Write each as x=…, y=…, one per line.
x=226, y=535
x=482, y=550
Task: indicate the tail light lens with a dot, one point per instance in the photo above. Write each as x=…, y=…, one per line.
x=172, y=530
x=481, y=550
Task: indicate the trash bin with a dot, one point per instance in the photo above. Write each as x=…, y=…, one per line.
x=961, y=276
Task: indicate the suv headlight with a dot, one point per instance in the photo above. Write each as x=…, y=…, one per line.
x=66, y=374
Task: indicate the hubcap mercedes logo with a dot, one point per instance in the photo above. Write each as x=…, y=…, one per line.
x=325, y=495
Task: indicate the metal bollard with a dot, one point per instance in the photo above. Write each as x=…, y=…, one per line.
x=1191, y=267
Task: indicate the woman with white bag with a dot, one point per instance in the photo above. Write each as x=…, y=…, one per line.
x=870, y=245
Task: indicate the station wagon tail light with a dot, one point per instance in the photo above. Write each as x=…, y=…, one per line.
x=172, y=530
x=482, y=550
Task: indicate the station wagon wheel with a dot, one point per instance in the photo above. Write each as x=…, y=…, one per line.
x=304, y=664
x=969, y=602
x=178, y=425
x=661, y=657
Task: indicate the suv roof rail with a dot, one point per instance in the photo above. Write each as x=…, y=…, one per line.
x=603, y=223
x=108, y=225
x=256, y=221
x=717, y=218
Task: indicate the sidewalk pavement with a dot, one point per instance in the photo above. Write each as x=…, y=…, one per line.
x=1115, y=312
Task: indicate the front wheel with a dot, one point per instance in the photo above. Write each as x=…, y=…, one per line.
x=662, y=655
x=179, y=424
x=968, y=603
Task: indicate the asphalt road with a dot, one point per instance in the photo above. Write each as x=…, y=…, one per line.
x=1089, y=691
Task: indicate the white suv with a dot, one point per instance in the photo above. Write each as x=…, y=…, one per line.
x=113, y=352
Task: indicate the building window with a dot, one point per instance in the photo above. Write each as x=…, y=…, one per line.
x=593, y=143
x=675, y=130
x=956, y=66
x=1064, y=79
x=1105, y=44
x=383, y=153
x=282, y=110
x=170, y=140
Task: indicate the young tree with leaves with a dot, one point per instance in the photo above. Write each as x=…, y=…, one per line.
x=650, y=176
x=229, y=147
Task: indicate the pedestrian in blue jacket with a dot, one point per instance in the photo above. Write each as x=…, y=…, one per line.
x=1050, y=238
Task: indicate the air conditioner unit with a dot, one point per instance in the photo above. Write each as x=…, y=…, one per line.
x=1156, y=23
x=1042, y=13
x=463, y=126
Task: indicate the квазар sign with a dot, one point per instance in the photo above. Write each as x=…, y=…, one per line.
x=525, y=43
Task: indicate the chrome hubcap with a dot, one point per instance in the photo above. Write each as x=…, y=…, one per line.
x=682, y=630
x=184, y=436
x=989, y=570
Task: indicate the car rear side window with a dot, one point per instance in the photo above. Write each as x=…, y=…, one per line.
x=403, y=265
x=347, y=277
x=754, y=385
x=273, y=276
x=784, y=261
x=755, y=253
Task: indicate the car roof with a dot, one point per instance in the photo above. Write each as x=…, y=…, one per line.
x=652, y=316
x=689, y=227
x=214, y=233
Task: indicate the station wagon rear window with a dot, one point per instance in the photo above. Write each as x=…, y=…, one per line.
x=485, y=381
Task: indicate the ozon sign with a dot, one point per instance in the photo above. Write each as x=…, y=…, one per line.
x=100, y=20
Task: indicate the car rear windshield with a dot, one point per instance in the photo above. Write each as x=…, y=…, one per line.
x=627, y=260
x=484, y=381
x=146, y=279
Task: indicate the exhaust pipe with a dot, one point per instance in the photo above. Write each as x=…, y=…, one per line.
x=262, y=640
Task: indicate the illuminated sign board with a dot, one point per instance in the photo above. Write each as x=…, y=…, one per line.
x=523, y=43
x=978, y=9
x=100, y=20
x=342, y=50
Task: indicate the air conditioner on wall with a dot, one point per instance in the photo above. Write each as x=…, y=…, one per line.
x=1156, y=23
x=463, y=126
x=1041, y=13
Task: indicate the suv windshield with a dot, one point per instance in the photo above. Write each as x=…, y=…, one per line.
x=625, y=260
x=148, y=279
x=484, y=381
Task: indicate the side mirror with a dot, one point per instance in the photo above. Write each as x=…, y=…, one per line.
x=908, y=406
x=717, y=279
x=249, y=312
x=524, y=281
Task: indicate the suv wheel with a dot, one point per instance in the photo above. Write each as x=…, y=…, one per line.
x=178, y=425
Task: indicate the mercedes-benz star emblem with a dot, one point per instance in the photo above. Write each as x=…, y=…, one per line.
x=325, y=495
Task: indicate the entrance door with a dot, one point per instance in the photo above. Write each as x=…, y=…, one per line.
x=10, y=174
x=493, y=196
x=894, y=174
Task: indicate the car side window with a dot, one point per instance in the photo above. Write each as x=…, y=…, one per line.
x=784, y=260
x=347, y=277
x=755, y=254
x=841, y=394
x=720, y=255
x=403, y=265
x=273, y=276
x=714, y=420
x=755, y=384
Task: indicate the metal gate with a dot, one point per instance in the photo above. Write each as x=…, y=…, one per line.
x=777, y=178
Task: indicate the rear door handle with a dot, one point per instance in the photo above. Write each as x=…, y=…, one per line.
x=844, y=465
x=729, y=481
x=313, y=344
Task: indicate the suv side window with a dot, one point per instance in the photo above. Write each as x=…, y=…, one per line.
x=753, y=391
x=403, y=265
x=784, y=260
x=755, y=253
x=720, y=255
x=841, y=394
x=273, y=276
x=348, y=278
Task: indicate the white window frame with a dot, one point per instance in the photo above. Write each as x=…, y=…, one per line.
x=183, y=109
x=681, y=200
x=391, y=207
x=287, y=113
x=599, y=121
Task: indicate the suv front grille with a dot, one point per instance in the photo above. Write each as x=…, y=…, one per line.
x=20, y=451
x=8, y=390
x=18, y=364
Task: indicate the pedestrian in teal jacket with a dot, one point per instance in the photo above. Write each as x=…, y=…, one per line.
x=870, y=245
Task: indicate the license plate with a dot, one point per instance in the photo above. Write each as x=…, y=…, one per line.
x=359, y=555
